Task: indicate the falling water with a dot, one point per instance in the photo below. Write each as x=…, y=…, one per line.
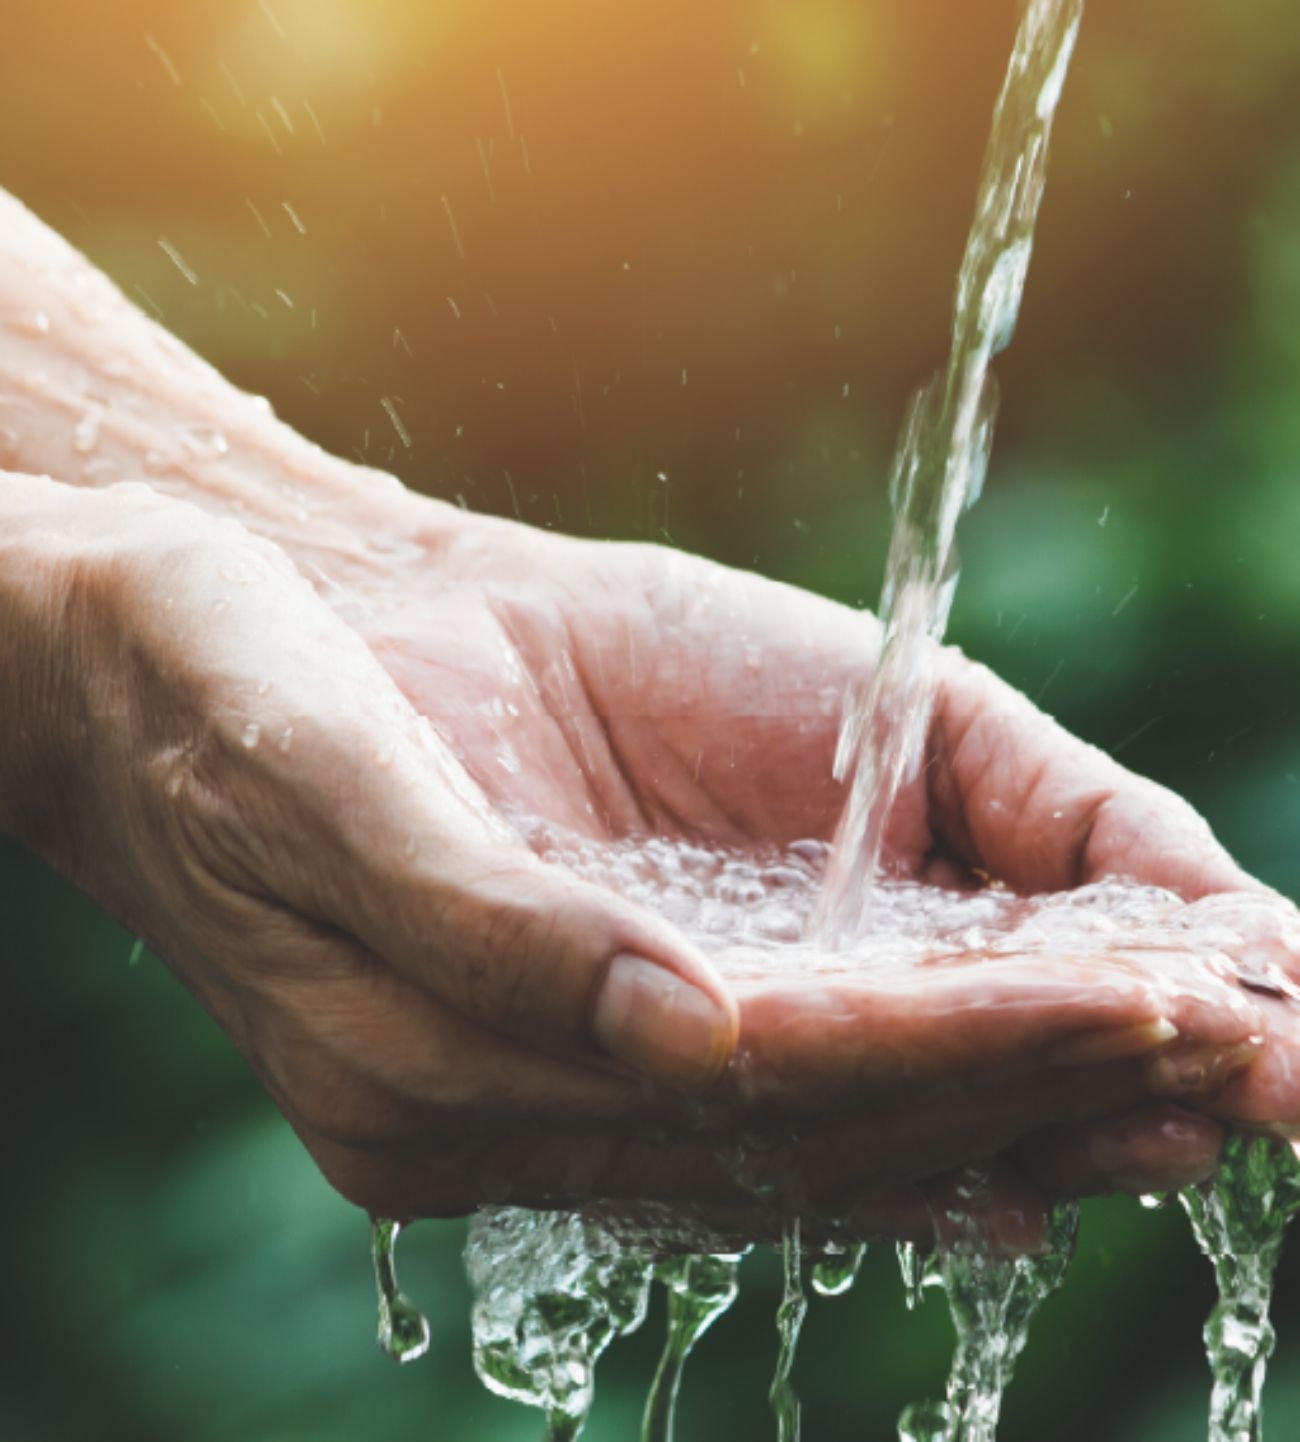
x=1239, y=1219
x=789, y=1323
x=700, y=1289
x=403, y=1328
x=940, y=464
x=992, y=1298
x=551, y=1291
x=835, y=1274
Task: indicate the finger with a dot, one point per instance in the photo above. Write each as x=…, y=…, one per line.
x=376, y=829
x=1158, y=1147
x=826, y=1170
x=829, y=1040
x=1010, y=1216
x=1015, y=793
x=1267, y=1094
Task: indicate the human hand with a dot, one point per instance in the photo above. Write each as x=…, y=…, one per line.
x=614, y=689
x=414, y=988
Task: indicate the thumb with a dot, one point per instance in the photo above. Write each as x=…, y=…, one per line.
x=526, y=948
x=431, y=880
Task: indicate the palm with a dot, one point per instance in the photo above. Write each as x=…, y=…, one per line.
x=619, y=689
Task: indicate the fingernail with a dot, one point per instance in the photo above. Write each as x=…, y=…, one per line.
x=1197, y=1070
x=1114, y=1044
x=661, y=1024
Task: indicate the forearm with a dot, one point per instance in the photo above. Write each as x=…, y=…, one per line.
x=92, y=391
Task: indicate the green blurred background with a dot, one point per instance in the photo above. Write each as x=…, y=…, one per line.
x=662, y=270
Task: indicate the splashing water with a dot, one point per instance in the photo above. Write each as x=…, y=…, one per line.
x=789, y=1323
x=403, y=1328
x=700, y=1289
x=992, y=1299
x=941, y=461
x=551, y=1291
x=1239, y=1220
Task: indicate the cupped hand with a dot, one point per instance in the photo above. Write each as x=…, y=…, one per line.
x=427, y=1001
x=617, y=690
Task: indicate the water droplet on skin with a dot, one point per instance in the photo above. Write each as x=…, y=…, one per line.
x=263, y=687
x=155, y=463
x=250, y=736
x=286, y=740
x=204, y=441
x=36, y=324
x=85, y=434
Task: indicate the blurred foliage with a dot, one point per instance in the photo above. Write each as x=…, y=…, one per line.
x=663, y=271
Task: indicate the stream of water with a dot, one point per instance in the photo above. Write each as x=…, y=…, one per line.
x=1239, y=1220
x=553, y=1290
x=939, y=467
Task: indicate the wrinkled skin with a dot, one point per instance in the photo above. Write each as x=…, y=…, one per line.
x=232, y=761
x=332, y=879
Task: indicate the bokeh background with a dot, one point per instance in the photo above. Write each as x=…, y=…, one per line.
x=664, y=270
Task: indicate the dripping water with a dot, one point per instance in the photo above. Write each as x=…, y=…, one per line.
x=403, y=1328
x=789, y=1323
x=1239, y=1219
x=700, y=1289
x=992, y=1299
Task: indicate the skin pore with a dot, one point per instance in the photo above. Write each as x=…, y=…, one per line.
x=258, y=698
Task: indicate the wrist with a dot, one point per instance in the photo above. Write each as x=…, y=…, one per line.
x=42, y=701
